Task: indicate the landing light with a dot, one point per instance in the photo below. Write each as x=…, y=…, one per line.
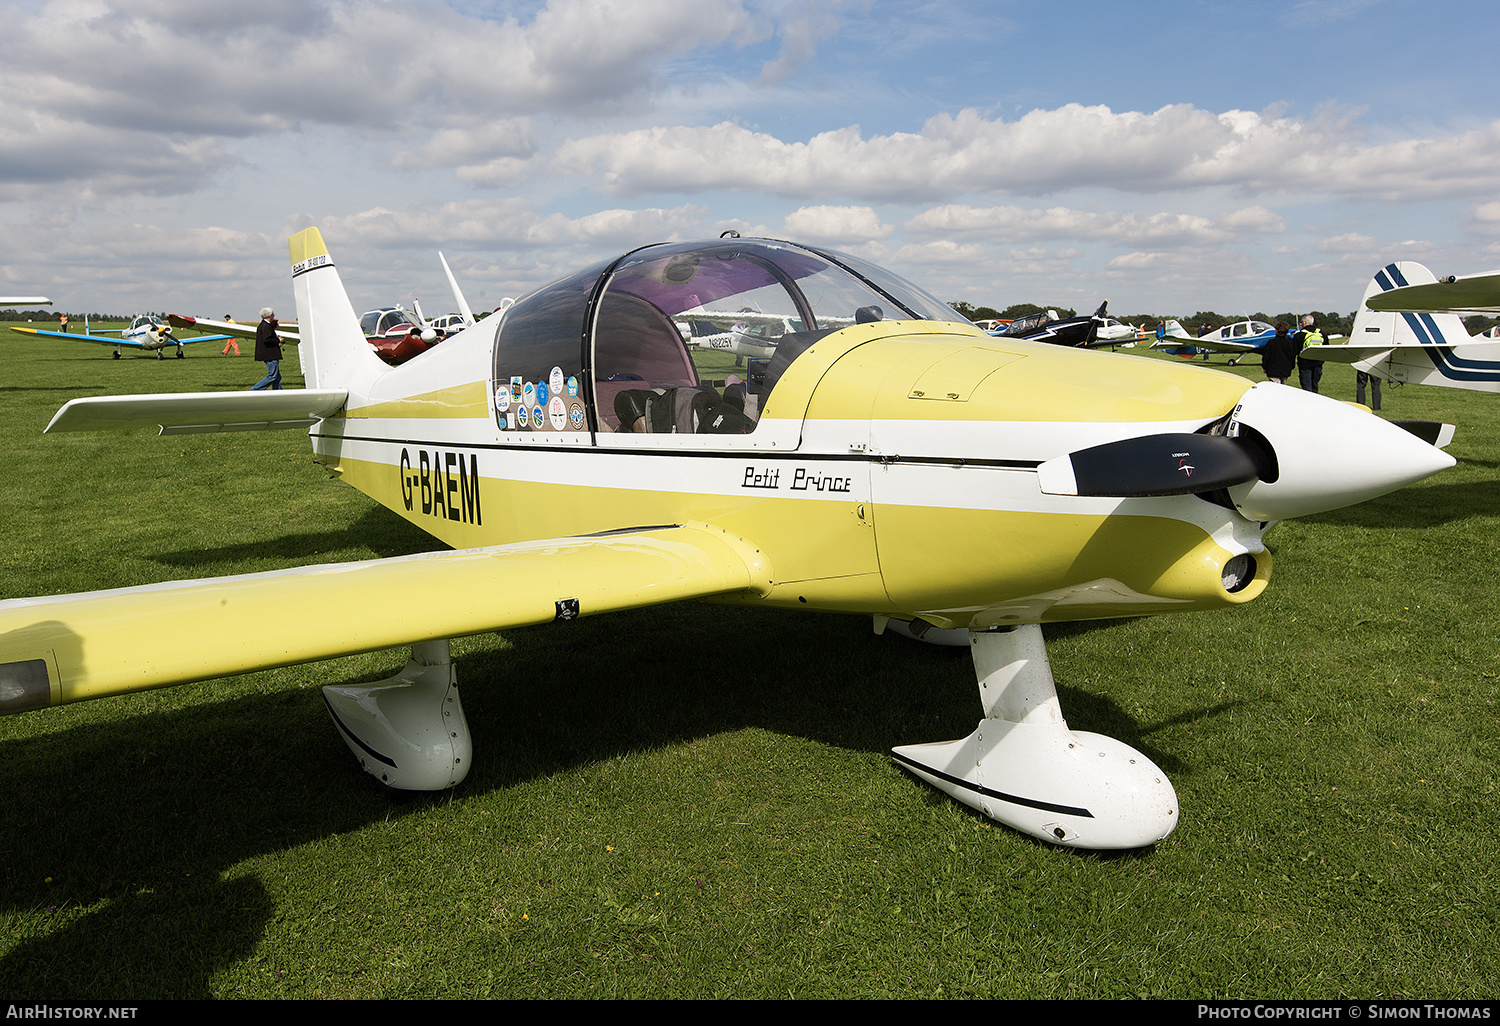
x=1238, y=572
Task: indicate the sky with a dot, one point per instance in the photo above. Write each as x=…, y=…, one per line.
x=1171, y=158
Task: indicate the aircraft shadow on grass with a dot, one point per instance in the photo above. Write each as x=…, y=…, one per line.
x=378, y=530
x=99, y=807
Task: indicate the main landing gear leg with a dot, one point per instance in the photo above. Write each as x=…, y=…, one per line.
x=407, y=731
x=1023, y=767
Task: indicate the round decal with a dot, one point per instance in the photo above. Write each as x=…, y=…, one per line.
x=529, y=394
x=502, y=398
x=537, y=418
x=576, y=419
x=572, y=388
x=555, y=380
x=557, y=412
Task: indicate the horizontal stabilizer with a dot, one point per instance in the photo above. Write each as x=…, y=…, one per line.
x=184, y=412
x=68, y=648
x=1346, y=354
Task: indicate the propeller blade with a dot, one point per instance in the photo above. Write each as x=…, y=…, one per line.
x=1164, y=464
x=1433, y=432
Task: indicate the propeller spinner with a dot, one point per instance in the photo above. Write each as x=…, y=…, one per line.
x=1282, y=453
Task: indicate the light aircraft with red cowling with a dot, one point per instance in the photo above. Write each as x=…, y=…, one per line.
x=888, y=459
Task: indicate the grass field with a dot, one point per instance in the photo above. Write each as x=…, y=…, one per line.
x=729, y=824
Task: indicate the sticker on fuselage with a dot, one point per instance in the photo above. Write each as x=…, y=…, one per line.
x=441, y=483
x=557, y=412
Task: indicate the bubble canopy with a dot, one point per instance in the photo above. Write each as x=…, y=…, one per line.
x=683, y=337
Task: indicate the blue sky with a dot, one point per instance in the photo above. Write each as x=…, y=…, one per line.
x=154, y=154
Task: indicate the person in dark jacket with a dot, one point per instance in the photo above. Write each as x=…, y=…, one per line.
x=268, y=350
x=1280, y=355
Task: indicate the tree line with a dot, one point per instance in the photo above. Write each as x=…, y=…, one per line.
x=1327, y=321
x=53, y=315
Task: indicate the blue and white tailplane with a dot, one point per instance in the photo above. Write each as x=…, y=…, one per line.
x=1420, y=348
x=333, y=349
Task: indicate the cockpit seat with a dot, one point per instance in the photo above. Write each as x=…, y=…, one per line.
x=681, y=411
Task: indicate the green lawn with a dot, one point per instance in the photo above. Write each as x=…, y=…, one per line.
x=731, y=824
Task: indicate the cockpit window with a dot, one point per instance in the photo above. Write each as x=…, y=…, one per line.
x=921, y=304
x=684, y=337
x=539, y=357
x=692, y=338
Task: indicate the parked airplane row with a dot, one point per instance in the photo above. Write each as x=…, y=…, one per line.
x=395, y=334
x=1407, y=330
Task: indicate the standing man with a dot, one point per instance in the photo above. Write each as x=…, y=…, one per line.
x=1309, y=371
x=268, y=350
x=1360, y=380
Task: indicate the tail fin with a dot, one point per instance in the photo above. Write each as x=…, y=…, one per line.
x=333, y=349
x=458, y=296
x=1373, y=327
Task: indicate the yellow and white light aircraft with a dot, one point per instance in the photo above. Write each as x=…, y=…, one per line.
x=580, y=458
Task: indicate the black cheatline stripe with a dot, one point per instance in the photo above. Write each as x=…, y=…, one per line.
x=355, y=737
x=1030, y=803
x=318, y=267
x=722, y=454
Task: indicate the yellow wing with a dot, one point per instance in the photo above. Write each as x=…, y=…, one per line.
x=67, y=648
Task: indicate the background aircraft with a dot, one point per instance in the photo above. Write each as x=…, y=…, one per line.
x=908, y=467
x=145, y=333
x=1427, y=345
x=1470, y=293
x=1058, y=331
x=1113, y=332
x=1241, y=338
x=25, y=301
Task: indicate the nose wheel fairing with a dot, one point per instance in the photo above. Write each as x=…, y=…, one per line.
x=1023, y=767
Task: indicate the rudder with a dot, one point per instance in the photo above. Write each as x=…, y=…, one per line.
x=333, y=349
